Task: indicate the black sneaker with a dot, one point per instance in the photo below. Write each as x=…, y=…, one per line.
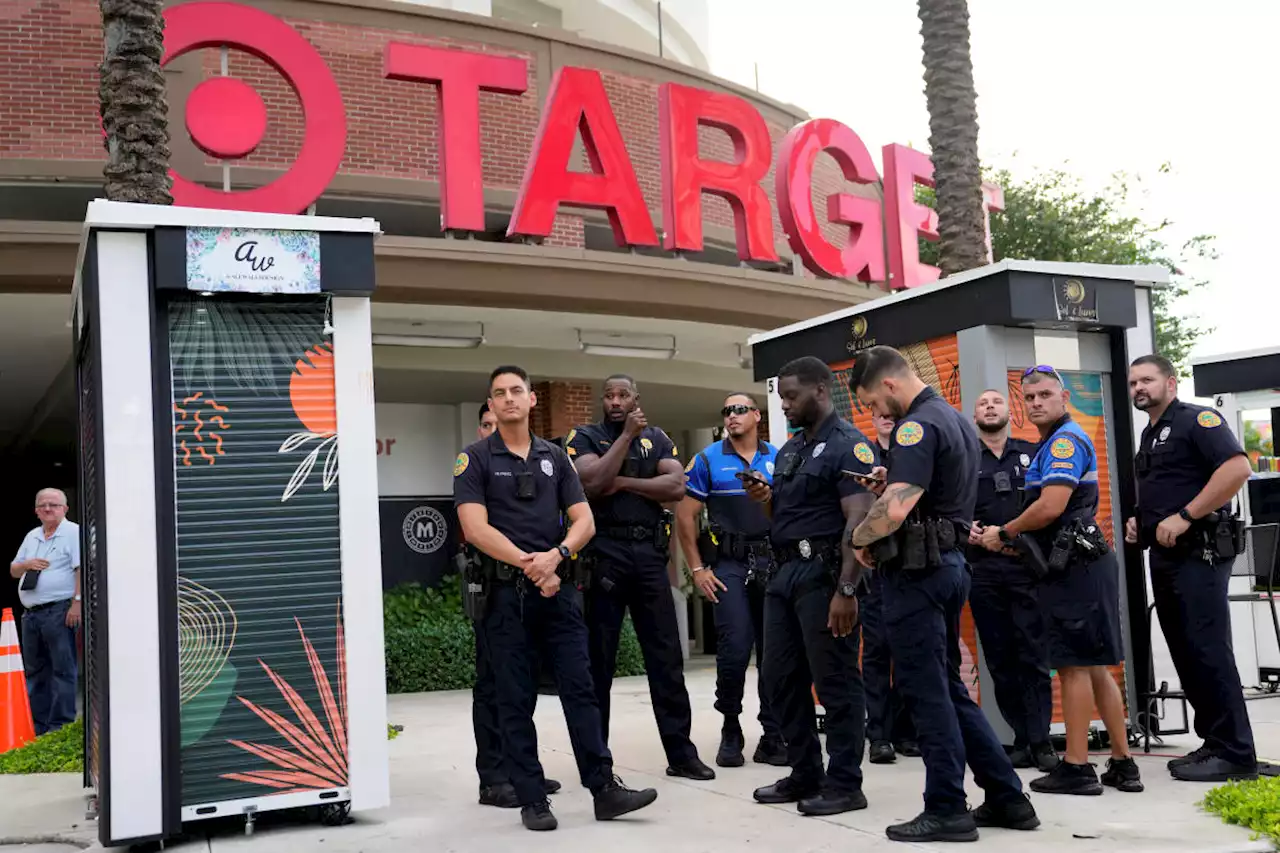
x=616, y=799
x=787, y=790
x=1202, y=751
x=1213, y=768
x=1011, y=814
x=692, y=768
x=538, y=817
x=908, y=749
x=932, y=827
x=771, y=750
x=550, y=786
x=1022, y=759
x=1044, y=757
x=831, y=801
x=731, y=745
x=882, y=753
x=1122, y=774
x=502, y=796
x=1079, y=779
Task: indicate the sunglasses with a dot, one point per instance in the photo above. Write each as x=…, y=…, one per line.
x=1045, y=369
x=736, y=409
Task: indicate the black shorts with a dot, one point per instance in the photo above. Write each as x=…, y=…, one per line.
x=1082, y=609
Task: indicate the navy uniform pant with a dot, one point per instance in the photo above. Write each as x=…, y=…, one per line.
x=801, y=652
x=739, y=618
x=1191, y=601
x=922, y=611
x=519, y=622
x=1015, y=642
x=633, y=577
x=887, y=716
x=490, y=763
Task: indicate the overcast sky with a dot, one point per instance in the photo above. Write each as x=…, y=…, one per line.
x=1093, y=87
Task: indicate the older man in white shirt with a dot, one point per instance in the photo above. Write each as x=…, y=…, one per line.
x=48, y=569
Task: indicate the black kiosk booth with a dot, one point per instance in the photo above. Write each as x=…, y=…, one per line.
x=981, y=329
x=231, y=571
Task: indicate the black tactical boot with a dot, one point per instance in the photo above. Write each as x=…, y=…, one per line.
x=616, y=799
x=1079, y=779
x=538, y=817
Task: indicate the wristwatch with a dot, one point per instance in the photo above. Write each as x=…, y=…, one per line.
x=1186, y=516
x=564, y=552
x=1004, y=536
x=848, y=589
x=77, y=598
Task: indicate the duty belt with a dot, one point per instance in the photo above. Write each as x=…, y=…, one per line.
x=739, y=546
x=822, y=548
x=632, y=532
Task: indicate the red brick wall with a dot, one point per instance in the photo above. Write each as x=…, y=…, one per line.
x=50, y=50
x=561, y=407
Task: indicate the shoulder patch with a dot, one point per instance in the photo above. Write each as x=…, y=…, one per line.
x=692, y=461
x=1066, y=465
x=460, y=464
x=674, y=450
x=1062, y=448
x=862, y=452
x=909, y=433
x=1209, y=420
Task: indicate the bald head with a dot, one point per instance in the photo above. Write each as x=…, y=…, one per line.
x=991, y=412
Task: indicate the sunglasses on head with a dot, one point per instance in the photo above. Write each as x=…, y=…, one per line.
x=736, y=409
x=1042, y=368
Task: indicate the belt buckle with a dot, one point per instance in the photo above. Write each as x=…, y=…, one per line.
x=806, y=550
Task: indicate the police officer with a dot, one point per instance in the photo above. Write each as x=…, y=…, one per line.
x=1080, y=596
x=495, y=783
x=730, y=565
x=929, y=492
x=629, y=470
x=1190, y=466
x=810, y=610
x=509, y=490
x=1005, y=595
x=889, y=726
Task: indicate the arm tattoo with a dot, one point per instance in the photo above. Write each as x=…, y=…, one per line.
x=878, y=523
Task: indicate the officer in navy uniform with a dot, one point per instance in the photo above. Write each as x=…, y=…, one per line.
x=730, y=565
x=630, y=470
x=1005, y=596
x=1080, y=595
x=495, y=783
x=926, y=502
x=811, y=609
x=1190, y=467
x=510, y=490
x=889, y=726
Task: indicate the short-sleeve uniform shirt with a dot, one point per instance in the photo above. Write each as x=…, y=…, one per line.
x=1065, y=458
x=712, y=479
x=1176, y=457
x=808, y=485
x=488, y=473
x=647, y=449
x=935, y=448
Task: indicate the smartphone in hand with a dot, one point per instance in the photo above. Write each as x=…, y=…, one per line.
x=751, y=476
x=864, y=479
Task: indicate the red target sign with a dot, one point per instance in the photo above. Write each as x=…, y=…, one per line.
x=226, y=118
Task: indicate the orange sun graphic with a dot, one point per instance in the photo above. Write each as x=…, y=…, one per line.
x=311, y=393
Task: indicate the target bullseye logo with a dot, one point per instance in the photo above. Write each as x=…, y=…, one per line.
x=226, y=118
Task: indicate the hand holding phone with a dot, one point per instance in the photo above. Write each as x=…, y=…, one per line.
x=751, y=477
x=865, y=479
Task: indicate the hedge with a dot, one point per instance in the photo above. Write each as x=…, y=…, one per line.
x=431, y=644
x=1254, y=804
x=61, y=751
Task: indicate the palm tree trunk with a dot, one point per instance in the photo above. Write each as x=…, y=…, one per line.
x=135, y=112
x=953, y=133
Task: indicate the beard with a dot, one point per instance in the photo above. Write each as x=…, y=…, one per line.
x=993, y=428
x=1147, y=401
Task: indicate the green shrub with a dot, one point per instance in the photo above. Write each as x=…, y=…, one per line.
x=1254, y=804
x=57, y=752
x=430, y=643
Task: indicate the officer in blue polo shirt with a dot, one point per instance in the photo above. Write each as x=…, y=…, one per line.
x=510, y=490
x=730, y=565
x=1081, y=594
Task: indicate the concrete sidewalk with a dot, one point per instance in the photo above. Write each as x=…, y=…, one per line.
x=434, y=798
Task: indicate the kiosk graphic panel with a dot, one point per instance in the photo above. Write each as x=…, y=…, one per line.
x=261, y=659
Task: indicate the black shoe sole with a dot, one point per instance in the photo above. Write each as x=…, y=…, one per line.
x=1025, y=825
x=730, y=760
x=972, y=835
x=771, y=760
x=857, y=806
x=544, y=827
x=1129, y=786
x=647, y=798
x=1094, y=790
x=782, y=801
x=683, y=774
x=1218, y=778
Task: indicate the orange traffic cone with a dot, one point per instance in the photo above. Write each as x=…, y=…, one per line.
x=16, y=727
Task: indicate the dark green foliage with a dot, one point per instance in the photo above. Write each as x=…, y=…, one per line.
x=57, y=752
x=431, y=645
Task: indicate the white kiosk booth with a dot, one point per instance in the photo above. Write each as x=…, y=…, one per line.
x=229, y=516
